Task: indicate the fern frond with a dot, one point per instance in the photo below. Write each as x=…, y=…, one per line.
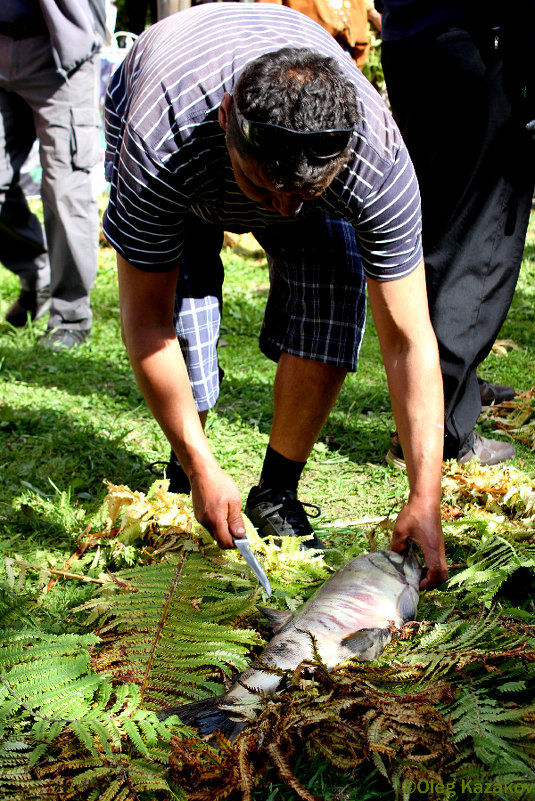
x=132, y=730
x=30, y=644
x=491, y=563
x=170, y=653
x=15, y=606
x=447, y=647
x=116, y=791
x=84, y=735
x=477, y=718
x=94, y=774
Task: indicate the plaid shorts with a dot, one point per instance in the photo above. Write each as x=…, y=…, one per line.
x=316, y=308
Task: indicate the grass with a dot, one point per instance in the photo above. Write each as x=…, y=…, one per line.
x=71, y=420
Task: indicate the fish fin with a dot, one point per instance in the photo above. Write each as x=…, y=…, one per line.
x=365, y=644
x=188, y=712
x=277, y=618
x=408, y=603
x=208, y=717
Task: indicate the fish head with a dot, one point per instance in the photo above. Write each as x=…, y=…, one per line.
x=400, y=580
x=398, y=566
x=412, y=569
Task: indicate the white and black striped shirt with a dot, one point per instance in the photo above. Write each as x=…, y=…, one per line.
x=166, y=153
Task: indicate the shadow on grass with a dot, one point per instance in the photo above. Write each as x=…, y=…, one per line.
x=359, y=426
x=34, y=441
x=246, y=391
x=78, y=372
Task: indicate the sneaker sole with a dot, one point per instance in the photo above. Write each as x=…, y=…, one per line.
x=395, y=461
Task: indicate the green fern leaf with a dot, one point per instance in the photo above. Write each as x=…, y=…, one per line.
x=37, y=753
x=132, y=730
x=99, y=771
x=491, y=563
x=85, y=736
x=116, y=791
x=102, y=734
x=170, y=655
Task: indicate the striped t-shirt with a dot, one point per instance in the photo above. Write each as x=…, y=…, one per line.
x=166, y=154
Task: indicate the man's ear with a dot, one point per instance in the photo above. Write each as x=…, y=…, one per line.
x=224, y=111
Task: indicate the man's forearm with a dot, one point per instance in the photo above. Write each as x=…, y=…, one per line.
x=147, y=302
x=410, y=355
x=416, y=394
x=163, y=380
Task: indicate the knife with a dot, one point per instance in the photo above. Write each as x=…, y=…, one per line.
x=244, y=547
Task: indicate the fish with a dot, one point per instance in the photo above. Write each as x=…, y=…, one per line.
x=353, y=614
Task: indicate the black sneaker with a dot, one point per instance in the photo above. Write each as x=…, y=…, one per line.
x=31, y=302
x=178, y=480
x=278, y=513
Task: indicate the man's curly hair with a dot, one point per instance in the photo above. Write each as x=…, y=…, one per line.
x=300, y=89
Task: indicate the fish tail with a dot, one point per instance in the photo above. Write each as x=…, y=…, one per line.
x=208, y=717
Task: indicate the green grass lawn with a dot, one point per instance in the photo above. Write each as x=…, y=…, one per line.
x=69, y=421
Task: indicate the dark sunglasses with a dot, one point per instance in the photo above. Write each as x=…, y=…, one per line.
x=322, y=145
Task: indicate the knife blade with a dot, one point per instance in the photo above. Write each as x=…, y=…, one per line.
x=244, y=547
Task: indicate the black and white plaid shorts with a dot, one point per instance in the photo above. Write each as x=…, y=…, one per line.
x=316, y=308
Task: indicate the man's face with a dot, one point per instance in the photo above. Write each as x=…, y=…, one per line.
x=255, y=184
x=257, y=187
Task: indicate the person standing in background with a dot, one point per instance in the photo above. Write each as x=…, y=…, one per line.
x=460, y=81
x=346, y=20
x=49, y=80
x=136, y=14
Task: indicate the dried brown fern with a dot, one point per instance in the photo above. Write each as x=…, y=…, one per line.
x=343, y=716
x=516, y=417
x=210, y=774
x=279, y=760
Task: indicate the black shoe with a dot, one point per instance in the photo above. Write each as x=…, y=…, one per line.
x=32, y=303
x=278, y=513
x=486, y=451
x=178, y=480
x=494, y=393
x=63, y=338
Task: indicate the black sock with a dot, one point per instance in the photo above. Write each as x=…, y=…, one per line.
x=178, y=480
x=278, y=472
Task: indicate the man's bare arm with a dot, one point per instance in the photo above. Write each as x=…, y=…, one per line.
x=410, y=356
x=147, y=302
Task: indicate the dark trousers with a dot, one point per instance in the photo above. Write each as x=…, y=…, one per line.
x=136, y=11
x=475, y=167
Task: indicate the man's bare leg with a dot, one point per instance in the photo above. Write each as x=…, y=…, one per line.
x=304, y=393
x=303, y=396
